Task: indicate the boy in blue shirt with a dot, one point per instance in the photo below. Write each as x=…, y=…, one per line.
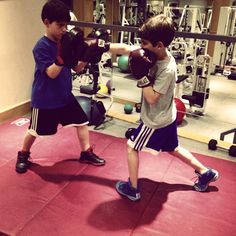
x=52, y=101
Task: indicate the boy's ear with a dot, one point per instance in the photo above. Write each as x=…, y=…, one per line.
x=159, y=44
x=46, y=22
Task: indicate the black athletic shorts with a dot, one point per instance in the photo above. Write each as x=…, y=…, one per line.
x=46, y=121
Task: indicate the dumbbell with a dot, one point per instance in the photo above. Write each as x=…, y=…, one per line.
x=129, y=132
x=138, y=107
x=212, y=145
x=232, y=150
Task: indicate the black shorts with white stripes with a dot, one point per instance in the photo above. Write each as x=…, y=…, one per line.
x=154, y=140
x=46, y=121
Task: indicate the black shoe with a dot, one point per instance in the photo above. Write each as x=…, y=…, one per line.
x=22, y=162
x=91, y=158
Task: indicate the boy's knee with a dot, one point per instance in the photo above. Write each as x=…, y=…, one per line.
x=130, y=150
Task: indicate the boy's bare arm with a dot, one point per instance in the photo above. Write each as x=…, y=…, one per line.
x=121, y=48
x=53, y=71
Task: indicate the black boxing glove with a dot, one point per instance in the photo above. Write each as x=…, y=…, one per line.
x=100, y=34
x=93, y=50
x=71, y=42
x=140, y=62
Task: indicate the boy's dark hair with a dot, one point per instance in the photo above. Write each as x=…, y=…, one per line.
x=158, y=28
x=55, y=10
x=68, y=3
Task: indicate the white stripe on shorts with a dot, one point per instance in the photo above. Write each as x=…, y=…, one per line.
x=34, y=118
x=143, y=137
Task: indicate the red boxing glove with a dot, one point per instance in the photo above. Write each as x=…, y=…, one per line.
x=59, y=61
x=140, y=62
x=93, y=50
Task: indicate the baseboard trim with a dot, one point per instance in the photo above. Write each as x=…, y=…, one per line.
x=15, y=112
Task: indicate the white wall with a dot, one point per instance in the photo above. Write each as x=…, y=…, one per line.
x=21, y=27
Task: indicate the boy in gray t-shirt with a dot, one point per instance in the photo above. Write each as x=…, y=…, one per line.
x=155, y=70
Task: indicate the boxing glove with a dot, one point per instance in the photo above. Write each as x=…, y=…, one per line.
x=100, y=34
x=93, y=50
x=70, y=44
x=140, y=62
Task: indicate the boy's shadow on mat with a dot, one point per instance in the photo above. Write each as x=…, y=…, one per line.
x=120, y=213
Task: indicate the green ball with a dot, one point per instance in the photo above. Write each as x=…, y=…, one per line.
x=128, y=108
x=123, y=63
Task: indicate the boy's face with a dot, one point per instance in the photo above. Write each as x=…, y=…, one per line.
x=55, y=29
x=145, y=44
x=158, y=49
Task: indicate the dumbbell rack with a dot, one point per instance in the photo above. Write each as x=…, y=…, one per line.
x=223, y=134
x=213, y=144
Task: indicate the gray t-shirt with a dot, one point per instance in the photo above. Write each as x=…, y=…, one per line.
x=163, y=112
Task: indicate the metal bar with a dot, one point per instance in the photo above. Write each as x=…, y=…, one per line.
x=223, y=134
x=212, y=37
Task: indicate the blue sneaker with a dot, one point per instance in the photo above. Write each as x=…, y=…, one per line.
x=125, y=189
x=204, y=179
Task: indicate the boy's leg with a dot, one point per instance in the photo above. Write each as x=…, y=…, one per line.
x=87, y=155
x=42, y=122
x=28, y=142
x=83, y=136
x=130, y=188
x=185, y=156
x=205, y=175
x=133, y=165
x=73, y=116
x=22, y=162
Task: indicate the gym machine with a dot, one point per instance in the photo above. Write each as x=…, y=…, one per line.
x=225, y=58
x=200, y=89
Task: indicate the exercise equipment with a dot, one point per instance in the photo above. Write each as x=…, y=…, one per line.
x=100, y=12
x=213, y=144
x=232, y=76
x=200, y=87
x=181, y=110
x=123, y=63
x=129, y=132
x=225, y=51
x=102, y=91
x=94, y=110
x=109, y=86
x=128, y=108
x=189, y=18
x=128, y=16
x=206, y=36
x=138, y=106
